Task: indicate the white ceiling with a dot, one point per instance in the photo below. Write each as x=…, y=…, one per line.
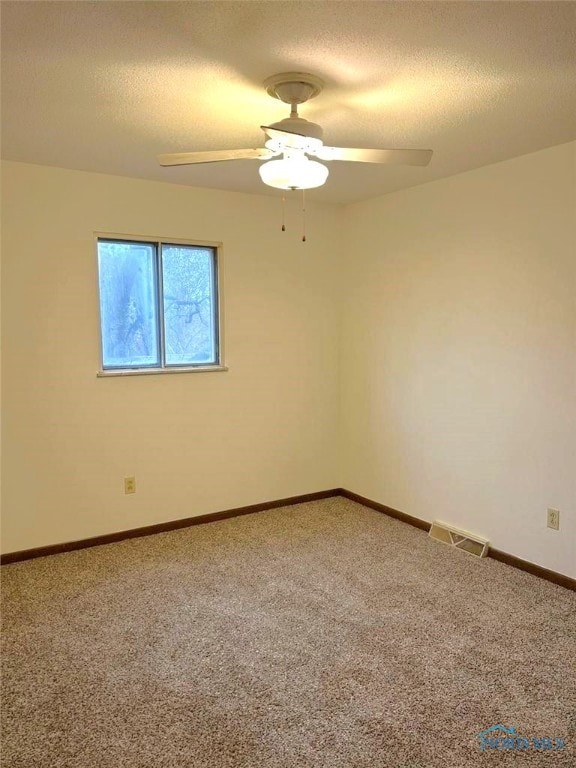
x=106, y=86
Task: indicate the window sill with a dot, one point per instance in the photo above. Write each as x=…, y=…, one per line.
x=154, y=371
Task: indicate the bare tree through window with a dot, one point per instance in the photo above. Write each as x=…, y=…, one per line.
x=158, y=304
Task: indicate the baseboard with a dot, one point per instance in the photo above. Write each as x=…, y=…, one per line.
x=496, y=554
x=535, y=570
x=415, y=521
x=172, y=525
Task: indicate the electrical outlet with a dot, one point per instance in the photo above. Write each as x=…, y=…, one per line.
x=553, y=519
x=129, y=485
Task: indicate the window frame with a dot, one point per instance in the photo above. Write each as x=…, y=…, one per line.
x=158, y=243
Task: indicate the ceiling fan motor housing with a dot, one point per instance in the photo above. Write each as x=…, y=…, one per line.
x=300, y=126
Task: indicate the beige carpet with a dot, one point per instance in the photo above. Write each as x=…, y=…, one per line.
x=322, y=634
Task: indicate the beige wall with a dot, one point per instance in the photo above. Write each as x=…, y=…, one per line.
x=197, y=443
x=459, y=353
x=449, y=352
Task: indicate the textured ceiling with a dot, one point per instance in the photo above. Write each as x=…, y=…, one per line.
x=106, y=86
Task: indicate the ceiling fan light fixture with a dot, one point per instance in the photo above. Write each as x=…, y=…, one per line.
x=293, y=173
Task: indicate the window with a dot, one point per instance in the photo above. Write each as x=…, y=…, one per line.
x=159, y=308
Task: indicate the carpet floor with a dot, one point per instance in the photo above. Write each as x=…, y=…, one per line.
x=322, y=635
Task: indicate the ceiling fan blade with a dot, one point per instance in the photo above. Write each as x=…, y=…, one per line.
x=388, y=156
x=217, y=156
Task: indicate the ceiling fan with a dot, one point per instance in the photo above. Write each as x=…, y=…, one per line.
x=297, y=140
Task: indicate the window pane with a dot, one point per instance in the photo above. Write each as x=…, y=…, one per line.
x=128, y=311
x=190, y=301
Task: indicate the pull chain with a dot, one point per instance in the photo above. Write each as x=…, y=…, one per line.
x=303, y=216
x=283, y=213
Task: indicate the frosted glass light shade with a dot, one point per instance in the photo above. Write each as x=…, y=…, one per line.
x=294, y=173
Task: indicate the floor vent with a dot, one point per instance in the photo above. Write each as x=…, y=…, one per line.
x=469, y=542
